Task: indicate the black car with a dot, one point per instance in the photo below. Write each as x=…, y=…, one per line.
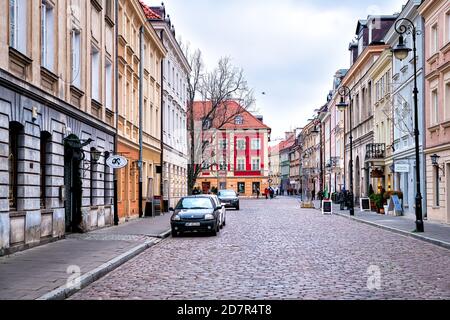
x=229, y=198
x=196, y=214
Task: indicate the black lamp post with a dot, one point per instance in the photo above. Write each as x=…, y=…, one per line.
x=345, y=91
x=401, y=52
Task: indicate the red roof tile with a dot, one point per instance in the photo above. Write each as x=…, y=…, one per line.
x=149, y=13
x=231, y=108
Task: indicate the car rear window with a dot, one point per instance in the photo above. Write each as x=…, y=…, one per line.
x=227, y=193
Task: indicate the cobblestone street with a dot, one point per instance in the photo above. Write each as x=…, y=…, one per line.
x=272, y=249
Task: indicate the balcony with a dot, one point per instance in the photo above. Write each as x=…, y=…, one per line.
x=375, y=151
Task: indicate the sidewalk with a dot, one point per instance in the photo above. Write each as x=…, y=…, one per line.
x=436, y=233
x=44, y=272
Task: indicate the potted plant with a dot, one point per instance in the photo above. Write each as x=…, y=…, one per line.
x=373, y=205
x=378, y=201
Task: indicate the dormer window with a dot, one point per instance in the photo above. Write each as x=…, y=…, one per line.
x=239, y=120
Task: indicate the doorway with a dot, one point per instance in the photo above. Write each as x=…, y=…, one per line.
x=206, y=187
x=73, y=155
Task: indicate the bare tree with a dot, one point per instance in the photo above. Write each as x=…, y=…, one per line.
x=217, y=89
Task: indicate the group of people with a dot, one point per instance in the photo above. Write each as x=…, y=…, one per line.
x=269, y=193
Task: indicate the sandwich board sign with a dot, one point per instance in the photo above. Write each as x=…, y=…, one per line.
x=395, y=206
x=327, y=207
x=364, y=204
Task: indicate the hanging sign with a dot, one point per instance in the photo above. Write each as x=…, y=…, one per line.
x=117, y=162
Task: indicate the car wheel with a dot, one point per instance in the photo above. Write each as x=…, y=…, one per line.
x=174, y=233
x=237, y=207
x=214, y=232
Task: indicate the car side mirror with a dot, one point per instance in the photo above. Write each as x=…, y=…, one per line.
x=171, y=209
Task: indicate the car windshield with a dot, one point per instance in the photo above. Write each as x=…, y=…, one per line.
x=227, y=193
x=195, y=203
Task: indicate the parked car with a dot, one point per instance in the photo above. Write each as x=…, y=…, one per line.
x=196, y=214
x=223, y=211
x=230, y=198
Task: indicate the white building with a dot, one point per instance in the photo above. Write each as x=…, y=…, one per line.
x=176, y=71
x=403, y=111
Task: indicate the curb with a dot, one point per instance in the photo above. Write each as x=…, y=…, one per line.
x=83, y=281
x=165, y=235
x=436, y=242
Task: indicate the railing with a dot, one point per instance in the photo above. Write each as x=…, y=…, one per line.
x=375, y=151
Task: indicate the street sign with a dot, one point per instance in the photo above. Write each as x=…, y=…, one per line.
x=117, y=162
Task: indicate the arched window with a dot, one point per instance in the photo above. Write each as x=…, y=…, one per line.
x=15, y=130
x=45, y=144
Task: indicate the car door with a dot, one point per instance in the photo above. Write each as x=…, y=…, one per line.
x=218, y=204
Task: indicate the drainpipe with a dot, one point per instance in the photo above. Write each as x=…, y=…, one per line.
x=163, y=209
x=141, y=103
x=116, y=80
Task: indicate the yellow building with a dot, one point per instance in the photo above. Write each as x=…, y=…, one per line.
x=379, y=154
x=132, y=21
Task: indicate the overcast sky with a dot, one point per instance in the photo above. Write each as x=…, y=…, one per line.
x=289, y=49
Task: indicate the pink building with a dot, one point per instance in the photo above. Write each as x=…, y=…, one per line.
x=436, y=14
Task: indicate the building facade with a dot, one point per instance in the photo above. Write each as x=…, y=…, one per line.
x=176, y=72
x=285, y=161
x=237, y=157
x=274, y=166
x=364, y=52
x=436, y=15
x=402, y=169
x=57, y=116
x=139, y=111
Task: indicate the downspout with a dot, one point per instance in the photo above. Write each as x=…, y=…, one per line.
x=141, y=103
x=163, y=209
x=116, y=80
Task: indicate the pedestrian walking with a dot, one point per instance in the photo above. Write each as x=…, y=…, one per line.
x=266, y=193
x=257, y=193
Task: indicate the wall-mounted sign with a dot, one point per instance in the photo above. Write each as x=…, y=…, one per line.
x=117, y=162
x=401, y=167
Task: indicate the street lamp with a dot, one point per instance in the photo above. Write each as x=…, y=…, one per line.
x=345, y=91
x=401, y=52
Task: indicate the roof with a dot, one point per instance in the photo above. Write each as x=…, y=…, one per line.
x=286, y=144
x=228, y=110
x=149, y=13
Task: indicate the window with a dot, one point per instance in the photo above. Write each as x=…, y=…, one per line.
x=223, y=165
x=434, y=39
x=223, y=144
x=95, y=74
x=256, y=144
x=206, y=124
x=256, y=165
x=108, y=85
x=435, y=107
x=47, y=35
x=436, y=187
x=241, y=187
x=241, y=145
x=241, y=164
x=18, y=24
x=76, y=58
x=239, y=120
x=447, y=100
x=45, y=140
x=447, y=19
x=15, y=130
x=109, y=6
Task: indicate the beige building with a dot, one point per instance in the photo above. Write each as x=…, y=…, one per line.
x=56, y=119
x=132, y=21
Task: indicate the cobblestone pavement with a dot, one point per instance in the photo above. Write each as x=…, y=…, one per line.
x=272, y=249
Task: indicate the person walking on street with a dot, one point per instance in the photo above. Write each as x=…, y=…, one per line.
x=266, y=193
x=257, y=193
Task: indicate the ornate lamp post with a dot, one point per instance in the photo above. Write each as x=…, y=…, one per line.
x=344, y=92
x=401, y=52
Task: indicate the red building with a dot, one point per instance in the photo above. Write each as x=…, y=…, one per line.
x=237, y=154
